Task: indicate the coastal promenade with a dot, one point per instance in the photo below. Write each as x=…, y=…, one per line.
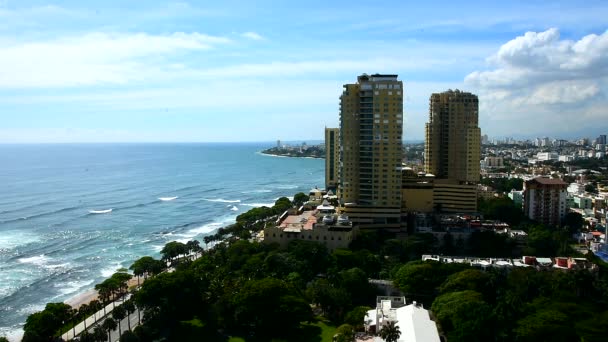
x=99, y=317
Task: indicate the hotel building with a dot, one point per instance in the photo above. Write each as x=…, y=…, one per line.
x=371, y=128
x=332, y=157
x=452, y=150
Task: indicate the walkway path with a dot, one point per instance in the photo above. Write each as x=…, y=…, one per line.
x=90, y=321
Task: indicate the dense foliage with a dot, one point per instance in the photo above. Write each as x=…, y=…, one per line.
x=259, y=292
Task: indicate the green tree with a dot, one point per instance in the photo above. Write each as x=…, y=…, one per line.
x=471, y=279
x=464, y=316
x=344, y=333
x=173, y=250
x=130, y=308
x=268, y=306
x=299, y=199
x=356, y=316
x=591, y=188
x=44, y=325
x=129, y=336
x=119, y=313
x=574, y=222
x=109, y=324
x=545, y=325
x=143, y=267
x=99, y=334
x=390, y=332
x=281, y=204
x=83, y=313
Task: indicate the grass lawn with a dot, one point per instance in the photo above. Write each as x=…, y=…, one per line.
x=321, y=330
x=327, y=329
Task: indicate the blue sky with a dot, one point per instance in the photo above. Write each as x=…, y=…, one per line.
x=104, y=71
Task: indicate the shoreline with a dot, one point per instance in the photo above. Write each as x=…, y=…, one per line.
x=287, y=156
x=91, y=294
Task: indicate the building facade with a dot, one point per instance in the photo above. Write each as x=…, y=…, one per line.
x=332, y=157
x=544, y=200
x=453, y=138
x=371, y=128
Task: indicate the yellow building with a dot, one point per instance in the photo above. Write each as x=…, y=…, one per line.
x=332, y=157
x=371, y=128
x=454, y=197
x=416, y=192
x=453, y=138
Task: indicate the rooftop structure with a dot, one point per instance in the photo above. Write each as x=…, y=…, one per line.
x=319, y=225
x=413, y=320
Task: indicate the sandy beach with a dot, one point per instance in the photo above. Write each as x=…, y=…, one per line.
x=90, y=295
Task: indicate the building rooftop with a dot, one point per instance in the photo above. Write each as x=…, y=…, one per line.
x=549, y=181
x=297, y=223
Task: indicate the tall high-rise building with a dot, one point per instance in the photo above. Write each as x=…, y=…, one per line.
x=453, y=138
x=544, y=200
x=371, y=128
x=332, y=157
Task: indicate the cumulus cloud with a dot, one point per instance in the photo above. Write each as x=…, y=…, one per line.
x=252, y=35
x=94, y=58
x=539, y=76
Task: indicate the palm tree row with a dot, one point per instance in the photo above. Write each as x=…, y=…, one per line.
x=102, y=332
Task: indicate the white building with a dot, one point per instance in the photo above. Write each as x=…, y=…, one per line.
x=413, y=321
x=576, y=188
x=565, y=158
x=544, y=156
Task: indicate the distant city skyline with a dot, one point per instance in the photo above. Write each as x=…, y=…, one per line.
x=230, y=71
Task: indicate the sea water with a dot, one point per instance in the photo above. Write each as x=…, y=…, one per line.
x=72, y=214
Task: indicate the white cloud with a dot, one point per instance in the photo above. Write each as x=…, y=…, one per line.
x=95, y=58
x=539, y=78
x=252, y=35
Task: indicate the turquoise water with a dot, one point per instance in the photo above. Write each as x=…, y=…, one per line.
x=52, y=247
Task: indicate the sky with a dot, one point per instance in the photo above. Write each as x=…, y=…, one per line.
x=228, y=71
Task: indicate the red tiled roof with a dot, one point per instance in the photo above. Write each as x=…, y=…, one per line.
x=549, y=181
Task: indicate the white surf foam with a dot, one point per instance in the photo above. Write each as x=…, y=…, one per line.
x=109, y=270
x=73, y=286
x=105, y=211
x=166, y=199
x=259, y=204
x=234, y=208
x=221, y=200
x=157, y=248
x=184, y=240
x=14, y=238
x=13, y=334
x=260, y=191
x=287, y=186
x=39, y=260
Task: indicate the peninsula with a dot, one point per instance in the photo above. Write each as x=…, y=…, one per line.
x=297, y=151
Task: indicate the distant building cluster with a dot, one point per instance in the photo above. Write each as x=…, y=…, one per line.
x=374, y=188
x=564, y=263
x=375, y=182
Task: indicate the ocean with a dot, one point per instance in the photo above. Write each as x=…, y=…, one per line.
x=58, y=237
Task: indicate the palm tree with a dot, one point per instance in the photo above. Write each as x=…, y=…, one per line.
x=74, y=314
x=95, y=305
x=109, y=324
x=83, y=312
x=99, y=334
x=119, y=313
x=390, y=332
x=104, y=294
x=130, y=308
